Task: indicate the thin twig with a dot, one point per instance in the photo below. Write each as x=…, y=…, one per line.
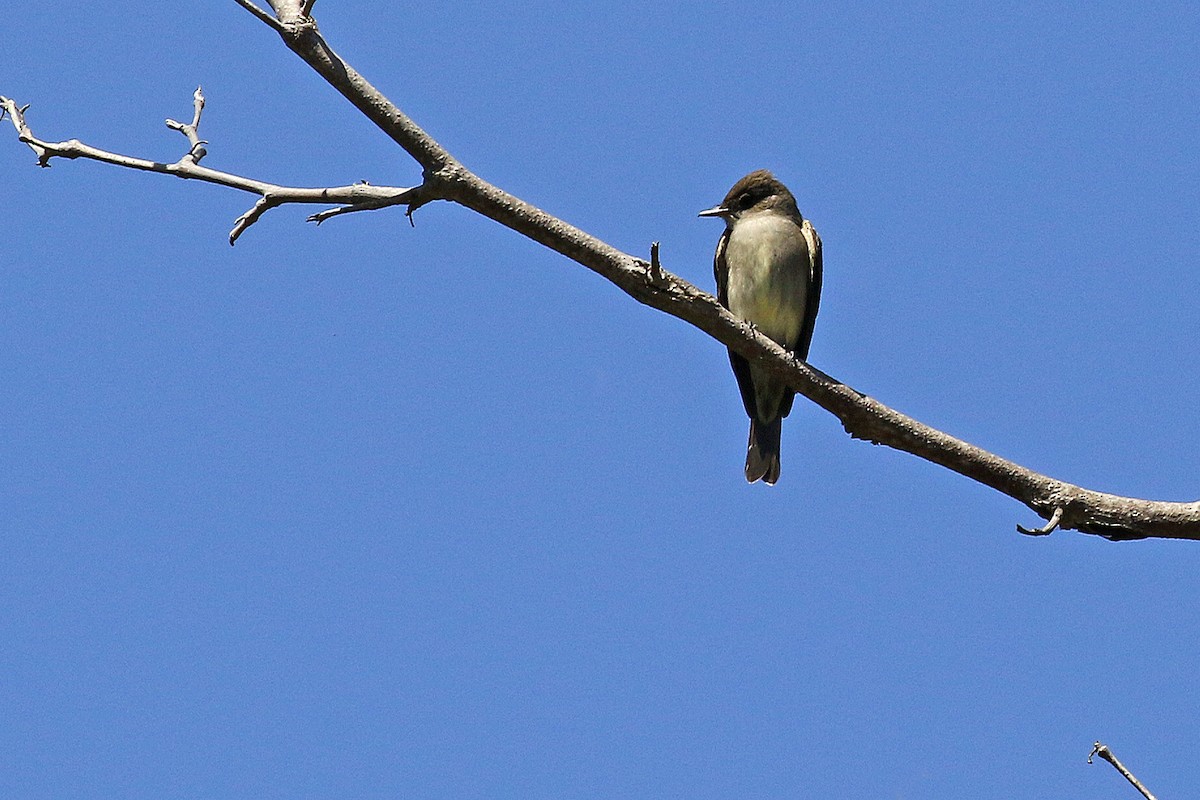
x=1103, y=751
x=1046, y=529
x=412, y=200
x=355, y=197
x=192, y=130
x=9, y=108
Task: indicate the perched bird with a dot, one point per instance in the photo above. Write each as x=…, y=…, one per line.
x=768, y=270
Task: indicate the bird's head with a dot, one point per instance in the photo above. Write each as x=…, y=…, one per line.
x=758, y=191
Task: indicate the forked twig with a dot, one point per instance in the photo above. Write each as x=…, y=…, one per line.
x=351, y=198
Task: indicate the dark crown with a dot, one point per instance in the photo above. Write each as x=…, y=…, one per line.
x=756, y=188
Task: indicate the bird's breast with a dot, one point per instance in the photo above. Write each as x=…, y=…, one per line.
x=769, y=268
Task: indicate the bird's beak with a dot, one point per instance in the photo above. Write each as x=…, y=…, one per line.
x=715, y=211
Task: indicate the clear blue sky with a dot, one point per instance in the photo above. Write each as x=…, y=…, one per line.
x=373, y=511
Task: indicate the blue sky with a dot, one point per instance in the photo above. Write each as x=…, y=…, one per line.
x=369, y=510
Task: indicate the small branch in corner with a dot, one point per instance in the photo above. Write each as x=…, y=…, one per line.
x=1102, y=750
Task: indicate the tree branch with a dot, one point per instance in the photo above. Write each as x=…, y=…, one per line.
x=1102, y=750
x=1073, y=507
x=1065, y=505
x=355, y=197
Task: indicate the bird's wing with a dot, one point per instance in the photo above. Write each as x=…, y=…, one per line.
x=812, y=302
x=721, y=270
x=813, y=297
x=741, y=367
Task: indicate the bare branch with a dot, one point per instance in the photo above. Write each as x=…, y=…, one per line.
x=413, y=200
x=192, y=130
x=1079, y=509
x=1065, y=505
x=355, y=197
x=9, y=108
x=1102, y=750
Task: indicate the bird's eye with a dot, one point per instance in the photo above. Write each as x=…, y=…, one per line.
x=744, y=201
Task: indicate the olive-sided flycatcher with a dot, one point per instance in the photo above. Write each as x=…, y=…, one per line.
x=768, y=269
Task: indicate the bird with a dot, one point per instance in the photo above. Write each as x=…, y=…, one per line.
x=768, y=271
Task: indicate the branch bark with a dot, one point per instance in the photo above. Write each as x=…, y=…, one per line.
x=1065, y=505
x=1102, y=750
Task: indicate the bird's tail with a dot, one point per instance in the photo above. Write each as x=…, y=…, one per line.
x=762, y=452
